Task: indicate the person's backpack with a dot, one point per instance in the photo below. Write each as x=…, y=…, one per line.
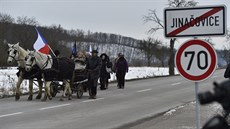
x=227, y=72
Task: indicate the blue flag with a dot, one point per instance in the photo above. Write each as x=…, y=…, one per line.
x=74, y=49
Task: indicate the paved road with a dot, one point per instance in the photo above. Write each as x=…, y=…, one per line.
x=112, y=109
x=182, y=117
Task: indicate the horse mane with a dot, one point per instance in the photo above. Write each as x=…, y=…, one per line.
x=42, y=60
x=22, y=51
x=42, y=54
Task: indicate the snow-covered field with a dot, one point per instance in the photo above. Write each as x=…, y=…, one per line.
x=8, y=78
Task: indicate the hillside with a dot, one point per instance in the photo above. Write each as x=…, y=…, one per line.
x=23, y=31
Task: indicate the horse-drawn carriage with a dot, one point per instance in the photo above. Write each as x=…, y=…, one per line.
x=79, y=84
x=71, y=72
x=63, y=68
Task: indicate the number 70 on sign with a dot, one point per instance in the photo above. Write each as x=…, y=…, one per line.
x=196, y=60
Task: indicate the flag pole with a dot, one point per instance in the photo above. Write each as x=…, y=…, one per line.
x=52, y=50
x=45, y=41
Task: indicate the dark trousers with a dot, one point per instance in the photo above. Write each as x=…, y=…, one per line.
x=120, y=79
x=104, y=83
x=92, y=84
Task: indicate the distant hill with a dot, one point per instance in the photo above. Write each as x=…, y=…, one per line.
x=23, y=31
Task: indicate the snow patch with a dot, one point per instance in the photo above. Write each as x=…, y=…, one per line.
x=187, y=127
x=170, y=112
x=8, y=78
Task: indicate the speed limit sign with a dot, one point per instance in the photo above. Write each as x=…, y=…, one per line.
x=196, y=60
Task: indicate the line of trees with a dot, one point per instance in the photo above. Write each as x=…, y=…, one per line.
x=149, y=52
x=153, y=17
x=225, y=53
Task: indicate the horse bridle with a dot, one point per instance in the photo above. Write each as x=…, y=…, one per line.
x=34, y=59
x=15, y=53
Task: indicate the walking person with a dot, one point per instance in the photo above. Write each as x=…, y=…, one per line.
x=121, y=68
x=93, y=66
x=105, y=73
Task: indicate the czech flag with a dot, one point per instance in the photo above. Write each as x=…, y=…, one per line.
x=41, y=44
x=74, y=49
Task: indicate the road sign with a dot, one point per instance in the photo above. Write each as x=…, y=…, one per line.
x=196, y=60
x=195, y=21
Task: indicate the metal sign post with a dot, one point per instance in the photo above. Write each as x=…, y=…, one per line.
x=197, y=106
x=196, y=61
x=197, y=102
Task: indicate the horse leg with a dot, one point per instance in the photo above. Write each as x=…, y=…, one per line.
x=47, y=91
x=66, y=87
x=44, y=98
x=17, y=96
x=40, y=89
x=71, y=85
x=64, y=91
x=69, y=91
x=30, y=90
x=45, y=95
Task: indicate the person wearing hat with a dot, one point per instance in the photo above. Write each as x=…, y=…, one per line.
x=115, y=62
x=93, y=66
x=121, y=68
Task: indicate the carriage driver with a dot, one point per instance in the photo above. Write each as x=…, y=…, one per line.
x=93, y=66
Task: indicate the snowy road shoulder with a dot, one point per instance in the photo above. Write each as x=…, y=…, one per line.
x=8, y=78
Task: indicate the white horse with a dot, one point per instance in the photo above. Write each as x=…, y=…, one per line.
x=50, y=73
x=17, y=53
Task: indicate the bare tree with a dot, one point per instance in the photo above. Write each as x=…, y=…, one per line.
x=162, y=55
x=158, y=24
x=5, y=25
x=225, y=53
x=6, y=18
x=23, y=31
x=24, y=20
x=150, y=48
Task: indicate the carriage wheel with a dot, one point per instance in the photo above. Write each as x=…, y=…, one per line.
x=53, y=89
x=80, y=91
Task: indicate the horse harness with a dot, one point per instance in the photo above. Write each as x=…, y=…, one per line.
x=34, y=59
x=62, y=68
x=34, y=73
x=15, y=53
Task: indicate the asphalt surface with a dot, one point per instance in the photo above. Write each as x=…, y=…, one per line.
x=141, y=101
x=182, y=117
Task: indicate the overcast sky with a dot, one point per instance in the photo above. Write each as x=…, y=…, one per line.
x=123, y=17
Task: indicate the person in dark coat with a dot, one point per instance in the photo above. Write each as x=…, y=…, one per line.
x=93, y=66
x=227, y=72
x=121, y=68
x=104, y=74
x=57, y=53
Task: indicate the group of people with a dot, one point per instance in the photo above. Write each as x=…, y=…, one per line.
x=100, y=67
